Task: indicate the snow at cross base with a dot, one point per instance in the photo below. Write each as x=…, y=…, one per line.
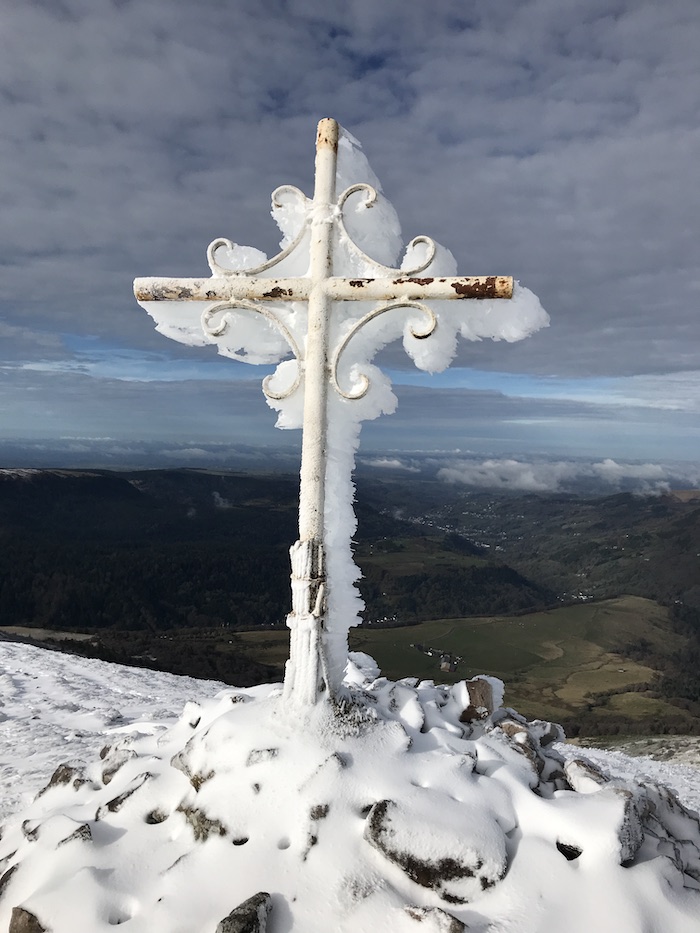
x=159, y=818
x=398, y=806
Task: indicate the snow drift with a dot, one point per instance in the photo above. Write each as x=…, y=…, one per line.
x=411, y=807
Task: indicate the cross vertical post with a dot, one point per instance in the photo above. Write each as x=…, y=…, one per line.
x=308, y=559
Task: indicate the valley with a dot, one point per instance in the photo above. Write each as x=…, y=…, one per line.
x=587, y=608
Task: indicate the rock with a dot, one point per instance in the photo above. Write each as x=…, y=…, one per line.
x=115, y=757
x=202, y=825
x=156, y=816
x=6, y=878
x=261, y=754
x=116, y=803
x=404, y=702
x=467, y=846
x=182, y=761
x=546, y=732
x=83, y=833
x=481, y=698
x=435, y=920
x=65, y=774
x=630, y=831
x=249, y=917
x=520, y=739
x=30, y=829
x=583, y=776
x=23, y=921
x=570, y=853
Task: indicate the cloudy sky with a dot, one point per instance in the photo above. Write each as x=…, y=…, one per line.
x=557, y=141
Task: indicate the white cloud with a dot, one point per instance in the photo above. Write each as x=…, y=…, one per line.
x=388, y=463
x=678, y=391
x=220, y=502
x=563, y=475
x=189, y=453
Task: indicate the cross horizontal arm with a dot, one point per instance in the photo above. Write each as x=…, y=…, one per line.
x=413, y=288
x=409, y=288
x=222, y=288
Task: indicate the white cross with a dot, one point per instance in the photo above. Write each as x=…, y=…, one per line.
x=308, y=675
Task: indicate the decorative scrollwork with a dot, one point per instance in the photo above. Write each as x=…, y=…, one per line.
x=218, y=269
x=364, y=384
x=212, y=329
x=371, y=196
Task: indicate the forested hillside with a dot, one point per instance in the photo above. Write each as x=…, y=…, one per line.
x=159, y=550
x=188, y=571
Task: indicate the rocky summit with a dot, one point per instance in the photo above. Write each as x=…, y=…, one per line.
x=405, y=806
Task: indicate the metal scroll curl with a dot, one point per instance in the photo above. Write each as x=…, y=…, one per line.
x=364, y=383
x=370, y=199
x=218, y=269
x=214, y=329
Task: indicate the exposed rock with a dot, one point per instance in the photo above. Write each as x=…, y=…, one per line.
x=319, y=812
x=65, y=774
x=23, y=921
x=261, y=754
x=584, y=776
x=316, y=813
x=82, y=833
x=546, y=732
x=30, y=830
x=570, y=853
x=649, y=811
x=183, y=762
x=481, y=703
x=156, y=816
x=115, y=758
x=404, y=702
x=630, y=831
x=249, y=917
x=202, y=825
x=467, y=864
x=5, y=879
x=675, y=826
x=435, y=920
x=116, y=803
x=521, y=740
x=198, y=779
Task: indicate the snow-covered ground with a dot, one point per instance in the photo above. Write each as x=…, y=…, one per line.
x=681, y=773
x=56, y=707
x=403, y=820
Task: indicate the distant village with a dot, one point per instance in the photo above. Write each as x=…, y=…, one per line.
x=448, y=662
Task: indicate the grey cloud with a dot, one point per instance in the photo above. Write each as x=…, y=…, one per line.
x=556, y=142
x=52, y=405
x=187, y=417
x=489, y=422
x=20, y=342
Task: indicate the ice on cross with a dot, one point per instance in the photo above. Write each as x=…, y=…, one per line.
x=321, y=310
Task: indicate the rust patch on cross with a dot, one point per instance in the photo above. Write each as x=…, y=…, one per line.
x=477, y=289
x=413, y=281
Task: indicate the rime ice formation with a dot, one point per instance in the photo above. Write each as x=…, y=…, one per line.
x=415, y=808
x=365, y=244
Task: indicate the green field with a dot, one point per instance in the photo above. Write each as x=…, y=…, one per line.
x=561, y=664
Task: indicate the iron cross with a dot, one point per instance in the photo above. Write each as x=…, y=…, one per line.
x=308, y=677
